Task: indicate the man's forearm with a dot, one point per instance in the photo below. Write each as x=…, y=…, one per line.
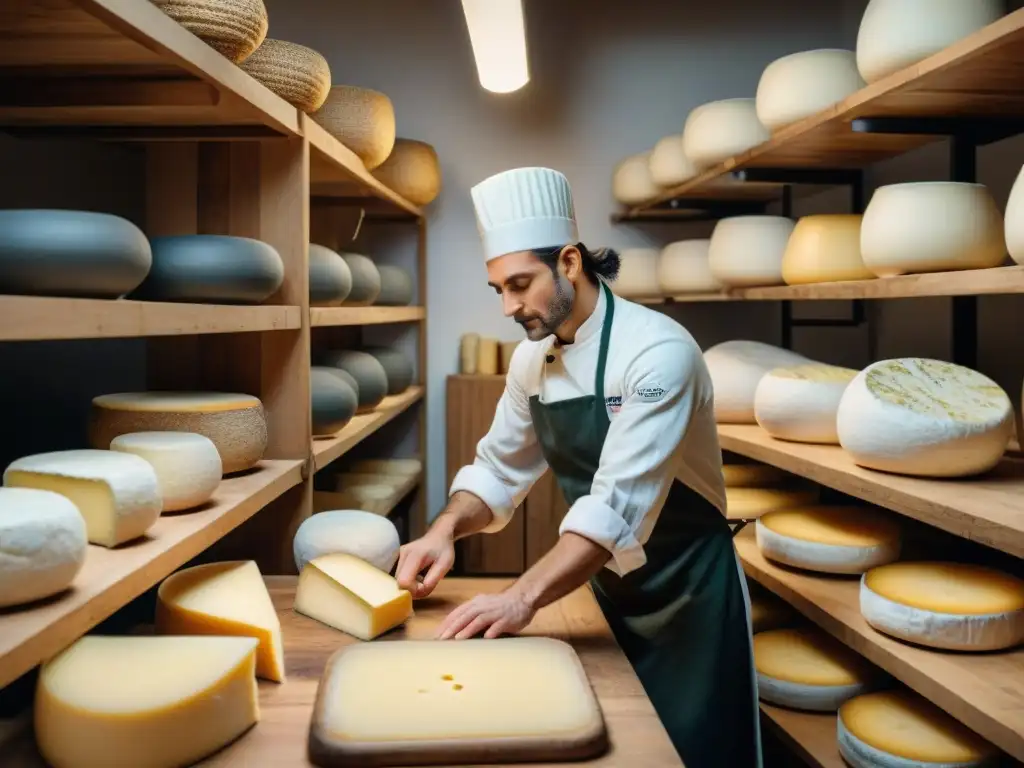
x=568, y=565
x=464, y=515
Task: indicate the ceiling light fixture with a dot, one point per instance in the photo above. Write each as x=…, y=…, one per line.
x=497, y=33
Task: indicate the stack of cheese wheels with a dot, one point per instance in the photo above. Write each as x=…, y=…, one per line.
x=899, y=729
x=669, y=165
x=736, y=368
x=804, y=668
x=638, y=274
x=802, y=84
x=800, y=403
x=370, y=537
x=684, y=267
x=188, y=466
x=720, y=129
x=951, y=606
x=767, y=611
x=747, y=251
x=843, y=540
x=923, y=417
x=933, y=226
x=825, y=249
x=631, y=180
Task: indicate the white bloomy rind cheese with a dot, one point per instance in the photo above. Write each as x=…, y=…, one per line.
x=349, y=594
x=42, y=544
x=950, y=606
x=899, y=729
x=145, y=702
x=800, y=403
x=228, y=598
x=370, y=537
x=916, y=416
x=809, y=670
x=188, y=466
x=736, y=368
x=116, y=493
x=842, y=540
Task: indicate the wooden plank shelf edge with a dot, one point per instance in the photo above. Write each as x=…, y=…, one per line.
x=111, y=578
x=326, y=450
x=339, y=316
x=810, y=735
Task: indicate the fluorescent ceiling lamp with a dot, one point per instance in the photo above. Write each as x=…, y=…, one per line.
x=498, y=36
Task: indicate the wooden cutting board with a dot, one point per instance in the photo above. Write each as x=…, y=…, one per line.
x=445, y=702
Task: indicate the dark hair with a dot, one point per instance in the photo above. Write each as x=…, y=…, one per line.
x=603, y=262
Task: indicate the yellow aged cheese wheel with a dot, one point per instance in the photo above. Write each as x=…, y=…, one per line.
x=752, y=475
x=749, y=503
x=825, y=249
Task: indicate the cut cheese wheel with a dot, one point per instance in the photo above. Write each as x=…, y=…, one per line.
x=116, y=493
x=42, y=544
x=223, y=599
x=750, y=503
x=683, y=267
x=736, y=368
x=188, y=466
x=806, y=669
x=371, y=537
x=916, y=416
x=825, y=249
x=951, y=606
x=235, y=423
x=347, y=593
x=145, y=702
x=900, y=729
x=829, y=539
x=800, y=403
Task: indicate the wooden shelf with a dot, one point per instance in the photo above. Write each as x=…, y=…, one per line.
x=988, y=509
x=326, y=450
x=335, y=316
x=981, y=690
x=810, y=735
x=28, y=318
x=111, y=578
x=979, y=76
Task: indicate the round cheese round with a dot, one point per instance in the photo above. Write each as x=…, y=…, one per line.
x=747, y=251
x=188, y=466
x=370, y=376
x=753, y=475
x=952, y=606
x=333, y=401
x=916, y=416
x=736, y=368
x=802, y=84
x=668, y=164
x=42, y=544
x=683, y=267
x=413, y=170
x=899, y=729
x=829, y=539
x=330, y=279
x=631, y=180
x=1014, y=220
x=825, y=249
x=370, y=537
x=751, y=503
x=718, y=130
x=804, y=668
x=800, y=403
x=638, y=274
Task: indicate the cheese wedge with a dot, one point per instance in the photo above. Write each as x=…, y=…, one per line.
x=116, y=493
x=841, y=539
x=952, y=606
x=800, y=403
x=144, y=702
x=188, y=466
x=751, y=503
x=227, y=598
x=370, y=537
x=753, y=475
x=351, y=595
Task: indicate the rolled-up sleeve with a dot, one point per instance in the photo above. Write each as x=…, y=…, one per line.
x=508, y=459
x=637, y=465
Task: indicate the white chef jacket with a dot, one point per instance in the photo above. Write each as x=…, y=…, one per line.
x=662, y=426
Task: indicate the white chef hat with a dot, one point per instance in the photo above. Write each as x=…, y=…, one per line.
x=522, y=209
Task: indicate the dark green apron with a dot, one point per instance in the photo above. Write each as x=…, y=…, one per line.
x=682, y=617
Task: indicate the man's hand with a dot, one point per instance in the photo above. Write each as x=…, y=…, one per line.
x=434, y=551
x=506, y=612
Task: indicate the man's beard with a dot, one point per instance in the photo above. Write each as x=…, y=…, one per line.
x=559, y=309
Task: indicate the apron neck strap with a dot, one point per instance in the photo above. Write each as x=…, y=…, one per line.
x=606, y=333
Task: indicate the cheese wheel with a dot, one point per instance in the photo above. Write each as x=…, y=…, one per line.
x=333, y=401
x=412, y=170
x=1014, y=220
x=487, y=356
x=952, y=606
x=42, y=544
x=753, y=475
x=117, y=494
x=806, y=669
x=684, y=267
x=370, y=376
x=145, y=702
x=366, y=281
x=370, y=537
x=802, y=84
x=188, y=466
x=330, y=279
x=469, y=348
x=747, y=251
x=235, y=423
x=825, y=249
x=719, y=130
x=924, y=417
x=899, y=729
x=736, y=368
x=638, y=274
x=767, y=611
x=800, y=403
x=843, y=540
x=668, y=164
x=631, y=180
x=750, y=503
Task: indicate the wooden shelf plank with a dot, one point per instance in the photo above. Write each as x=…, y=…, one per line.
x=335, y=316
x=981, y=75
x=111, y=578
x=810, y=735
x=28, y=318
x=987, y=509
x=326, y=450
x=983, y=691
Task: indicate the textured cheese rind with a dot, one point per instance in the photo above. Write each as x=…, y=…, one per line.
x=42, y=544
x=823, y=558
x=144, y=702
x=226, y=598
x=752, y=475
x=374, y=538
x=130, y=481
x=736, y=368
x=188, y=466
x=800, y=404
x=749, y=503
x=812, y=698
x=924, y=417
